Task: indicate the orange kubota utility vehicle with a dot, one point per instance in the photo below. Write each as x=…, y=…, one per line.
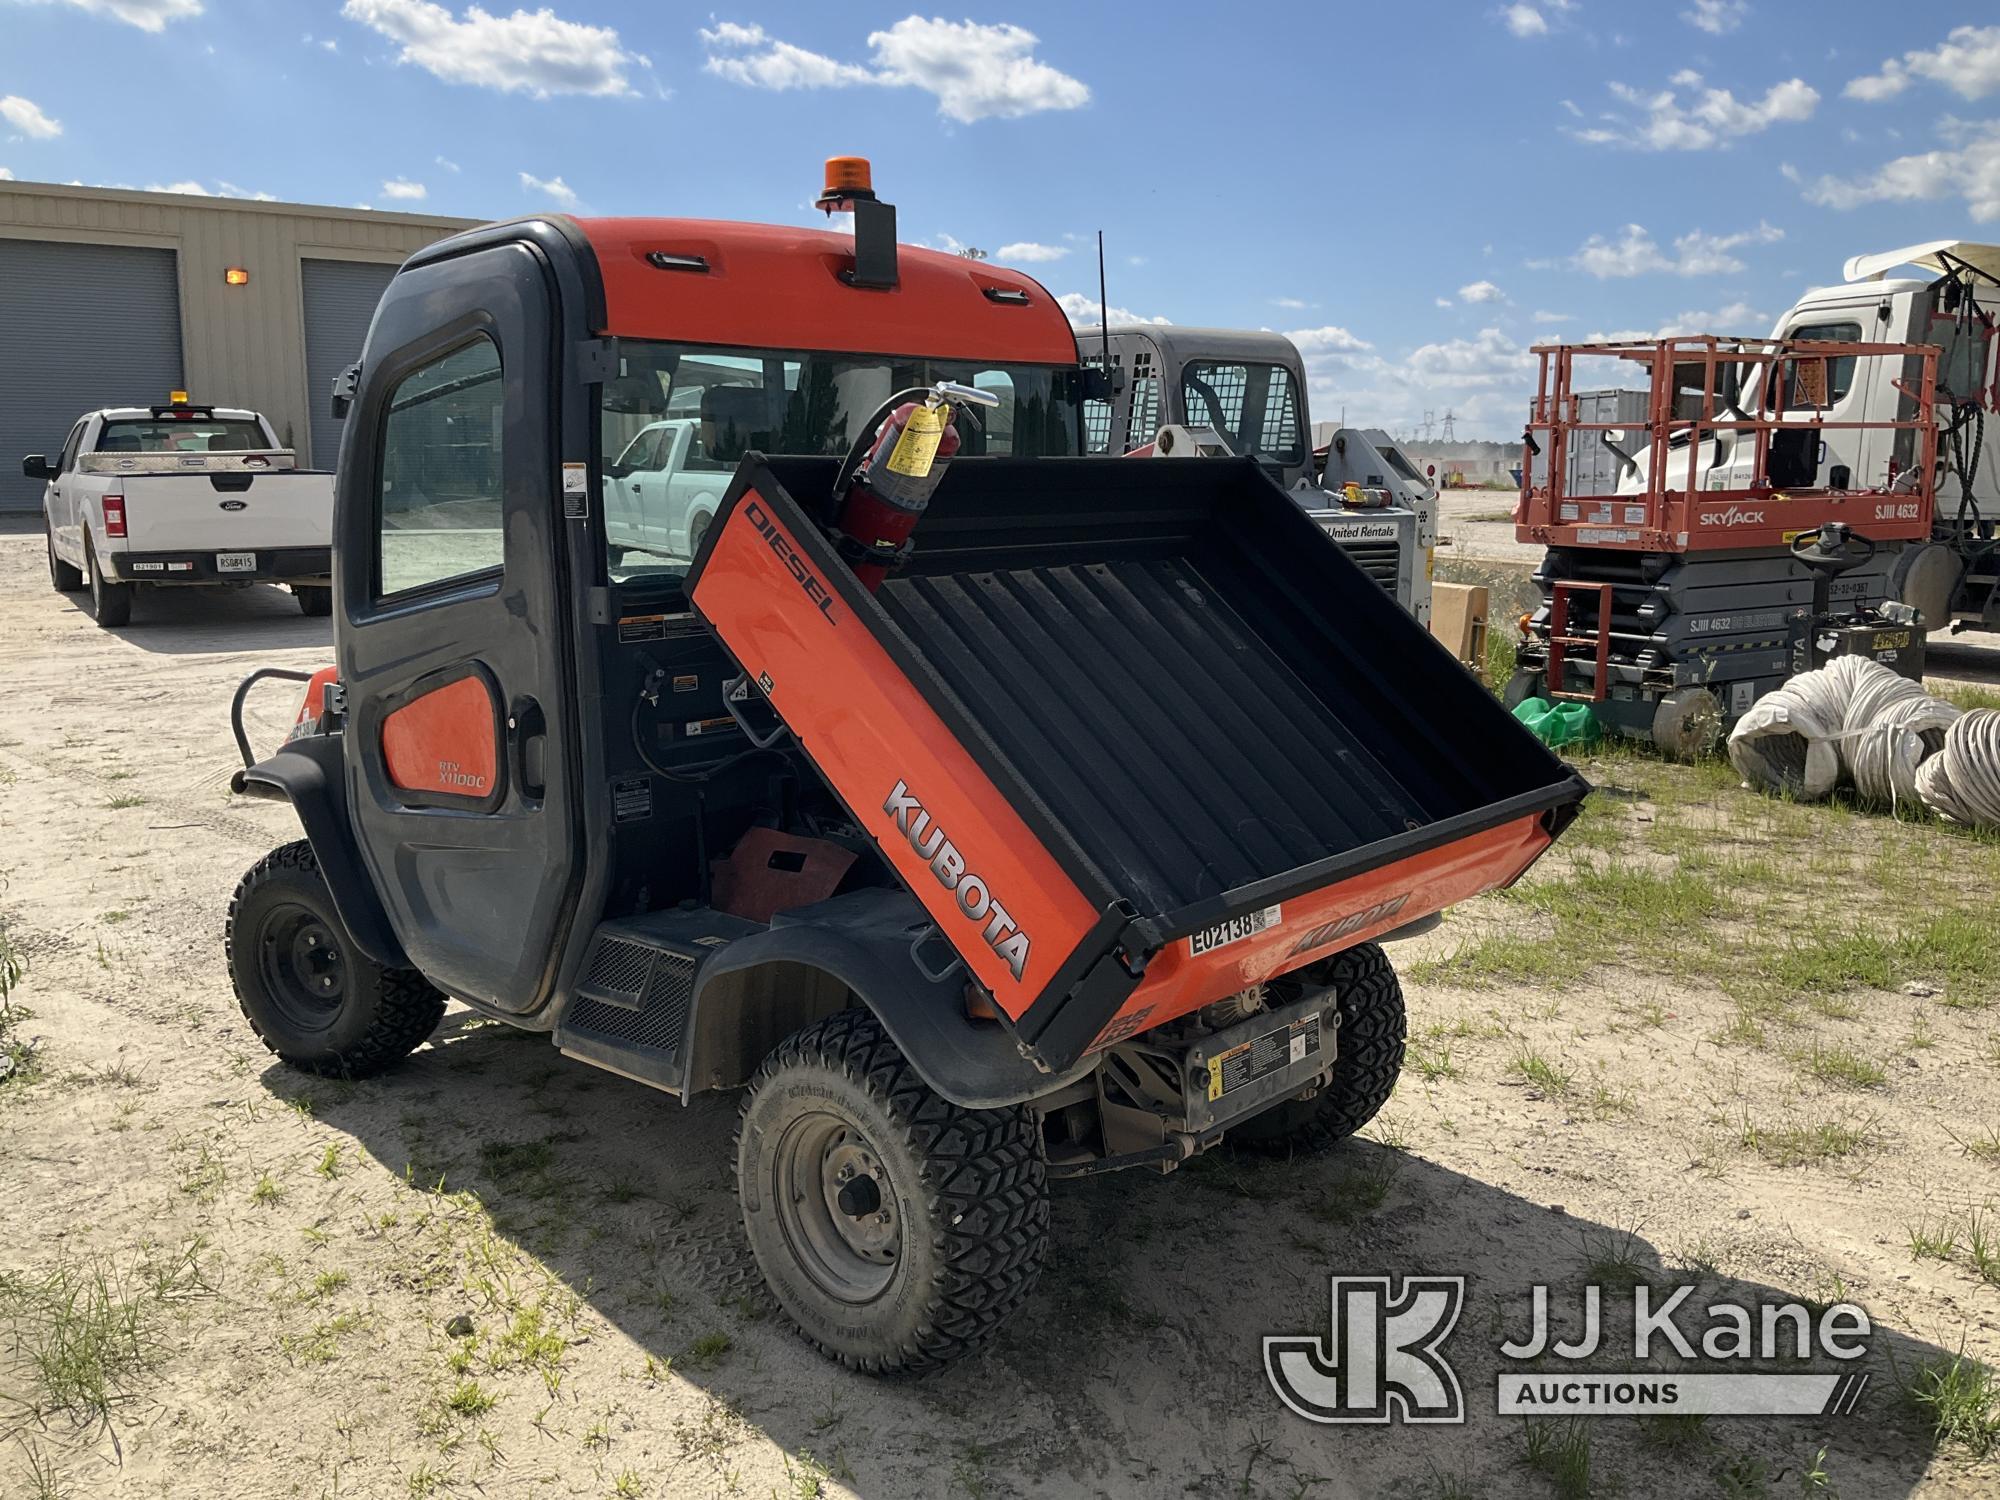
x=1056, y=838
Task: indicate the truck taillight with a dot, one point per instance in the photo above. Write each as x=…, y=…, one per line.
x=114, y=515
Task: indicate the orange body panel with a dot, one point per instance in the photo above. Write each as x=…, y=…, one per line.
x=314, y=702
x=444, y=742
x=1336, y=916
x=777, y=287
x=903, y=774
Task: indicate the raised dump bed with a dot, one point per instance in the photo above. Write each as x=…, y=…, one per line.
x=1136, y=733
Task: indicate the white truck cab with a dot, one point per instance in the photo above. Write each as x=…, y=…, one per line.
x=181, y=494
x=1955, y=577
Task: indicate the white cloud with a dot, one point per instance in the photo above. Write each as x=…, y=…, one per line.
x=1443, y=302
x=1082, y=312
x=1292, y=304
x=529, y=52
x=221, y=189
x=1635, y=253
x=1524, y=20
x=325, y=43
x=446, y=163
x=402, y=187
x=1711, y=119
x=975, y=72
x=1554, y=317
x=1733, y=318
x=1024, y=251
x=26, y=117
x=1328, y=340
x=6, y=175
x=1481, y=291
x=147, y=15
x=1717, y=17
x=1967, y=61
x=554, y=189
x=1968, y=168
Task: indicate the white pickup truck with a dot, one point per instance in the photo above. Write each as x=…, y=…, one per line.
x=150, y=497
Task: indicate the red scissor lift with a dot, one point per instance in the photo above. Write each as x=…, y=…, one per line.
x=1669, y=598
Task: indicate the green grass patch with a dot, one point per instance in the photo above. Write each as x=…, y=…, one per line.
x=1805, y=1142
x=1842, y=1067
x=1959, y=1399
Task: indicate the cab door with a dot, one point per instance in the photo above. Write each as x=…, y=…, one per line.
x=449, y=572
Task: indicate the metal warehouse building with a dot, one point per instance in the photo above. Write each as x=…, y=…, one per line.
x=113, y=298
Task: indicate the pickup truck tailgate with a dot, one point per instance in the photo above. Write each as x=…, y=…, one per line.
x=224, y=512
x=1137, y=734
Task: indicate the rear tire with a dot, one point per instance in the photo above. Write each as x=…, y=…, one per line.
x=897, y=1229
x=1373, y=1027
x=1687, y=724
x=315, y=599
x=67, y=580
x=311, y=995
x=110, y=603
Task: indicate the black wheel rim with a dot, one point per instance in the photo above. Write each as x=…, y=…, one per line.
x=304, y=966
x=836, y=1208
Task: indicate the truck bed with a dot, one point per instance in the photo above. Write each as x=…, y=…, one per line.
x=1236, y=749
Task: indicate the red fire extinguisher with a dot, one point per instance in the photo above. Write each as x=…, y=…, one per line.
x=880, y=500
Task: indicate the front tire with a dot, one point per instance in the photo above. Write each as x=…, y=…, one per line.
x=67, y=580
x=1523, y=685
x=897, y=1229
x=1373, y=1028
x=315, y=599
x=311, y=995
x=110, y=603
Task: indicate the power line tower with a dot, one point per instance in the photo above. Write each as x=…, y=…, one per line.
x=1448, y=436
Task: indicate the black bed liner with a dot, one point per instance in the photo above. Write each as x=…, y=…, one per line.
x=1203, y=705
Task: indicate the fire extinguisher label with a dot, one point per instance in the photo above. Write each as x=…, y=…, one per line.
x=916, y=450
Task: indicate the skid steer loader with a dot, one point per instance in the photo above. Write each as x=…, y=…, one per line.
x=985, y=813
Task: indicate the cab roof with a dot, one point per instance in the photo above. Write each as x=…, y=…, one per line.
x=708, y=281
x=145, y=413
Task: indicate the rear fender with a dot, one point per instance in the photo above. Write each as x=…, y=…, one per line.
x=855, y=948
x=306, y=772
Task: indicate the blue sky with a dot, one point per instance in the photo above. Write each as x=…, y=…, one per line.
x=1417, y=192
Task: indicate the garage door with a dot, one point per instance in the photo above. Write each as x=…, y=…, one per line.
x=81, y=326
x=340, y=299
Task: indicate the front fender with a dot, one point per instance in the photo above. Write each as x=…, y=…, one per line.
x=307, y=773
x=760, y=989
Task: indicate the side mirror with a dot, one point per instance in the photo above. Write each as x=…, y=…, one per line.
x=345, y=384
x=1611, y=438
x=36, y=466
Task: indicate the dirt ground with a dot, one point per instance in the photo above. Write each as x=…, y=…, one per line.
x=219, y=1278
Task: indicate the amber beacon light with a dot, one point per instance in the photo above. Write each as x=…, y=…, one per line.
x=847, y=178
x=236, y=276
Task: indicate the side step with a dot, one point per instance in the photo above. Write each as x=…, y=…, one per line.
x=630, y=1010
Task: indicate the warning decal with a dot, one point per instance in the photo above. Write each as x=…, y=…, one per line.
x=1278, y=1048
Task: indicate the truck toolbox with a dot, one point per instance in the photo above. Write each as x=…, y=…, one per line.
x=1137, y=735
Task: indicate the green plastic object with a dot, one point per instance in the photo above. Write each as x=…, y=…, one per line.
x=1559, y=724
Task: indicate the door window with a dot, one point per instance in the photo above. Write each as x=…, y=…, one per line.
x=67, y=461
x=1803, y=378
x=438, y=511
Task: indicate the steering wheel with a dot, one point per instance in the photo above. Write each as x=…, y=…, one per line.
x=1835, y=548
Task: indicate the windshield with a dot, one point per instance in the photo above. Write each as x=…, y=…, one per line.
x=1254, y=406
x=149, y=435
x=679, y=417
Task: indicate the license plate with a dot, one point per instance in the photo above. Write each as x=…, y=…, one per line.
x=1235, y=930
x=235, y=562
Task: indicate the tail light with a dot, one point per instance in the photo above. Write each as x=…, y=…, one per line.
x=114, y=515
